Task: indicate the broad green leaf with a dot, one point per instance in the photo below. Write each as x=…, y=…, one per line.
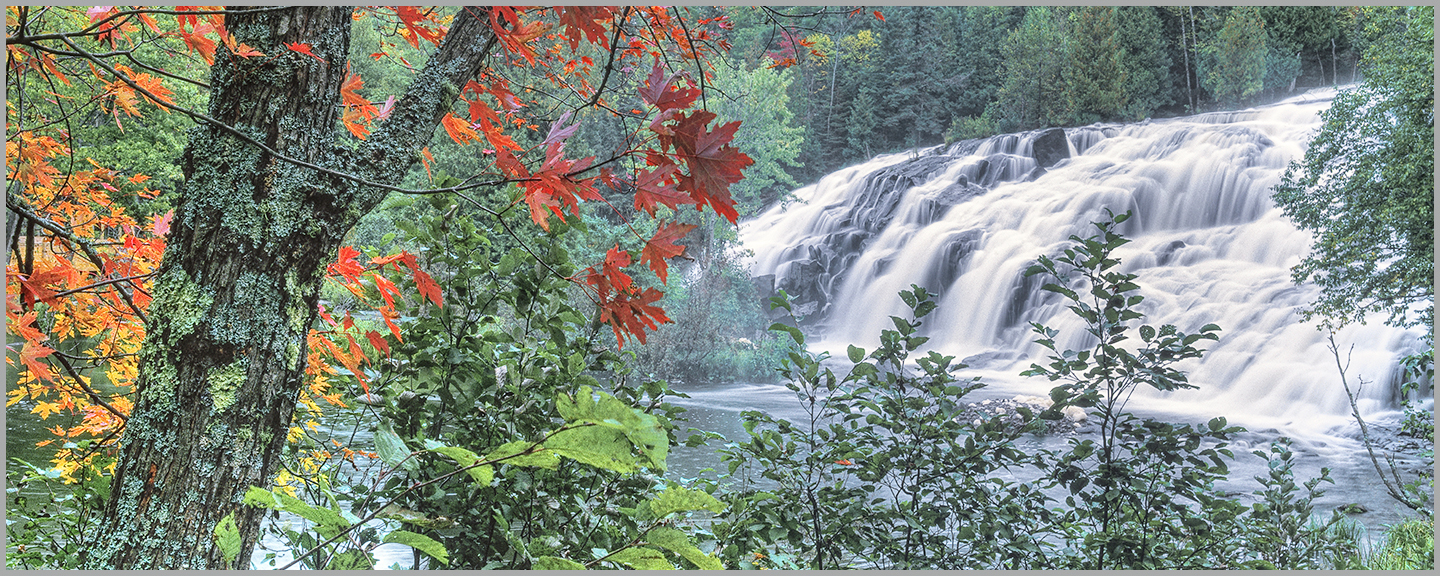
x=553, y=563
x=321, y=516
x=677, y=542
x=420, y=542
x=642, y=559
x=676, y=498
x=856, y=353
x=257, y=496
x=483, y=475
x=392, y=449
x=795, y=333
x=540, y=458
x=640, y=429
x=227, y=538
x=594, y=445
x=408, y=516
x=286, y=503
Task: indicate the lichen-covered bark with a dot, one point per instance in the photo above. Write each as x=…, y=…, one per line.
x=222, y=366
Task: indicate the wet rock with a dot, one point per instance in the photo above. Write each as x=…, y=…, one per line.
x=1168, y=252
x=1353, y=509
x=1050, y=147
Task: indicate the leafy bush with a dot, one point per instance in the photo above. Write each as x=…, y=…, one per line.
x=52, y=531
x=884, y=471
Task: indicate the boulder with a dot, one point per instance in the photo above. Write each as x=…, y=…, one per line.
x=1050, y=147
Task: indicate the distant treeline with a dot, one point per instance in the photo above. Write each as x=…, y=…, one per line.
x=923, y=74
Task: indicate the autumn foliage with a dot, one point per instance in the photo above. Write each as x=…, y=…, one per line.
x=81, y=268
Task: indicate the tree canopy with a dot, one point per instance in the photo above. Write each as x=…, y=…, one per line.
x=1366, y=186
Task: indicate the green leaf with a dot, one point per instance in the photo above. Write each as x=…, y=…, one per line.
x=594, y=445
x=227, y=538
x=856, y=353
x=482, y=475
x=408, y=516
x=539, y=458
x=676, y=498
x=326, y=519
x=642, y=559
x=392, y=449
x=350, y=560
x=795, y=333
x=420, y=542
x=641, y=430
x=553, y=563
x=257, y=496
x=677, y=542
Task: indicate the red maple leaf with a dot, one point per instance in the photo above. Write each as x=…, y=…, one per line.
x=655, y=187
x=586, y=21
x=662, y=246
x=663, y=94
x=37, y=287
x=551, y=188
x=346, y=266
x=633, y=315
x=459, y=130
x=378, y=342
x=160, y=223
x=350, y=96
x=427, y=286
x=30, y=355
x=713, y=164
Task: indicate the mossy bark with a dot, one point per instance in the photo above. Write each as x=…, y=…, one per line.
x=241, y=276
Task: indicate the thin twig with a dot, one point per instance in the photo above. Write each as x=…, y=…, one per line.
x=1392, y=489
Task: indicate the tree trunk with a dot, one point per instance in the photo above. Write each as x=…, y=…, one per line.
x=1195, y=102
x=1334, y=65
x=224, y=358
x=1185, y=49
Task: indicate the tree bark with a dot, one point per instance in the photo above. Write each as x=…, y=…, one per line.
x=224, y=358
x=1185, y=50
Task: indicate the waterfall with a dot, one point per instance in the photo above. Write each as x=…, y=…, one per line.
x=1207, y=243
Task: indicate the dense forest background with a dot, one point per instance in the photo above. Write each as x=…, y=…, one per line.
x=923, y=74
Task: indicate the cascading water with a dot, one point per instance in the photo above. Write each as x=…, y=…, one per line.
x=1208, y=244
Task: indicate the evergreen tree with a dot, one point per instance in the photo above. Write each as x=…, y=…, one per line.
x=1094, y=76
x=1031, y=94
x=1145, y=61
x=1239, y=56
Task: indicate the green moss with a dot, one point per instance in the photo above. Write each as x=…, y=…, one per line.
x=292, y=354
x=225, y=382
x=180, y=301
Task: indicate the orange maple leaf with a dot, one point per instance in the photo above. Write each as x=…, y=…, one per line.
x=459, y=130
x=303, y=48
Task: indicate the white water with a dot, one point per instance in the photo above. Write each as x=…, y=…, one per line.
x=1208, y=245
